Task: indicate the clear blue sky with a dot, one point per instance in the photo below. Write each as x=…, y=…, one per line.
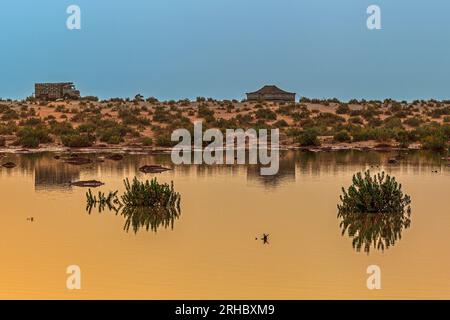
x=176, y=49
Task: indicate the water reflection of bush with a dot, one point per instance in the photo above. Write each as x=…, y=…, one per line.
x=377, y=231
x=149, y=218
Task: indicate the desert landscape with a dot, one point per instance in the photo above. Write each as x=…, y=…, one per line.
x=147, y=123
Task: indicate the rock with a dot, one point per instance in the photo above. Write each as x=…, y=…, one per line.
x=88, y=183
x=392, y=160
x=115, y=157
x=9, y=165
x=153, y=169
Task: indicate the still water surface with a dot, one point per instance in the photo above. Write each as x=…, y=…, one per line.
x=213, y=250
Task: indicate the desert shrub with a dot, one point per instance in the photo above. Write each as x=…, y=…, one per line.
x=9, y=114
x=111, y=139
x=87, y=128
x=77, y=140
x=60, y=108
x=380, y=194
x=152, y=100
x=328, y=119
x=435, y=142
x=383, y=134
x=205, y=112
x=404, y=138
x=110, y=131
x=131, y=117
x=304, y=114
x=265, y=114
x=355, y=120
x=147, y=141
x=8, y=128
x=161, y=115
x=354, y=113
x=286, y=110
x=61, y=128
x=342, y=136
x=28, y=142
x=31, y=122
x=280, y=124
x=308, y=138
x=374, y=212
x=413, y=122
x=150, y=194
x=363, y=134
x=374, y=122
x=343, y=109
x=304, y=100
x=31, y=137
x=393, y=122
x=163, y=140
x=89, y=98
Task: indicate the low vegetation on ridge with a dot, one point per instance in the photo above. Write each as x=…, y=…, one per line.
x=148, y=122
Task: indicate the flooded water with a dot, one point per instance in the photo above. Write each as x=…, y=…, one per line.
x=214, y=250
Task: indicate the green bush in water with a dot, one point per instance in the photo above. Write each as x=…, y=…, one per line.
x=374, y=211
x=147, y=205
x=380, y=194
x=150, y=194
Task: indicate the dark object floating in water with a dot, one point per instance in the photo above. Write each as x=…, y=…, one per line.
x=392, y=160
x=115, y=157
x=153, y=169
x=88, y=183
x=265, y=238
x=31, y=219
x=78, y=161
x=9, y=165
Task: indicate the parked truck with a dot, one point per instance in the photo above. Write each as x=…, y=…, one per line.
x=54, y=91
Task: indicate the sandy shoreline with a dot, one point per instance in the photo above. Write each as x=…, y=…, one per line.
x=167, y=150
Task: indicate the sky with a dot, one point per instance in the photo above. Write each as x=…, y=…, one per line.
x=175, y=49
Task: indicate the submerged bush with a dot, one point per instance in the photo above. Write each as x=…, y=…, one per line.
x=148, y=204
x=380, y=194
x=149, y=194
x=374, y=211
